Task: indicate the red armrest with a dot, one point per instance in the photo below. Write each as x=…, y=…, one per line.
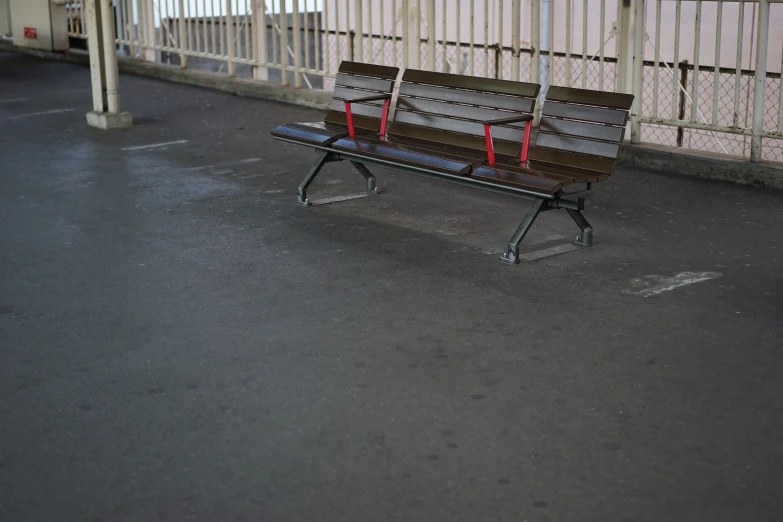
x=384, y=116
x=527, y=118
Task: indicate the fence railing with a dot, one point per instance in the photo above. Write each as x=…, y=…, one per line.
x=706, y=73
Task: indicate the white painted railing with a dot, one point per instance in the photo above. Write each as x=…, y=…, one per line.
x=706, y=73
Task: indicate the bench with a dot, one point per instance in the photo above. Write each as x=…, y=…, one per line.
x=475, y=132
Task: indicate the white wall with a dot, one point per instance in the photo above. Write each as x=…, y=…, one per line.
x=49, y=21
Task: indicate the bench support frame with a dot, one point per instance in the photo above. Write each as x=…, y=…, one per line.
x=541, y=202
x=574, y=209
x=326, y=156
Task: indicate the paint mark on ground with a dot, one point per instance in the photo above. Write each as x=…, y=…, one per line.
x=201, y=167
x=43, y=113
x=226, y=164
x=154, y=145
x=547, y=252
x=657, y=284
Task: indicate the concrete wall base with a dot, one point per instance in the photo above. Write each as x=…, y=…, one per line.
x=109, y=120
x=670, y=160
x=674, y=160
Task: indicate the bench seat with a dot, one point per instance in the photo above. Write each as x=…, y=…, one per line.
x=524, y=178
x=317, y=133
x=408, y=154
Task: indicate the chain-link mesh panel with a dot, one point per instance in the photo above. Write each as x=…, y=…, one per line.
x=593, y=74
x=718, y=110
x=772, y=105
x=659, y=134
x=772, y=149
x=484, y=60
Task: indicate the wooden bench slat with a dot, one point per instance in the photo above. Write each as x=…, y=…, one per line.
x=368, y=69
x=459, y=81
x=430, y=121
x=469, y=157
x=310, y=133
x=582, y=129
x=562, y=160
x=344, y=93
x=579, y=145
x=582, y=112
x=390, y=152
x=575, y=174
x=504, y=150
x=361, y=82
x=527, y=181
x=445, y=109
x=360, y=109
x=567, y=178
x=359, y=121
x=499, y=101
x=614, y=100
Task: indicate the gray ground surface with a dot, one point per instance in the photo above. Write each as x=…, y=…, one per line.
x=180, y=341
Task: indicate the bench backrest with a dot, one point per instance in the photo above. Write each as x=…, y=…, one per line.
x=447, y=110
x=359, y=80
x=581, y=129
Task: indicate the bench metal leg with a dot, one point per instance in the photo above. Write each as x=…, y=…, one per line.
x=512, y=253
x=584, y=239
x=372, y=187
x=301, y=192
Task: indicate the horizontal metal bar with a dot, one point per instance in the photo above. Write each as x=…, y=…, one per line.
x=705, y=126
x=708, y=68
x=459, y=180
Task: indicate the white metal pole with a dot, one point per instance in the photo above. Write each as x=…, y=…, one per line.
x=181, y=43
x=230, y=43
x=516, y=25
x=431, y=34
x=569, y=30
x=298, y=40
x=543, y=73
x=414, y=34
x=444, y=31
x=486, y=37
x=150, y=53
x=94, y=46
x=110, y=57
x=259, y=28
x=716, y=74
x=760, y=81
x=472, y=45
x=358, y=20
x=458, y=42
x=535, y=57
x=638, y=68
x=625, y=46
x=406, y=36
x=696, y=62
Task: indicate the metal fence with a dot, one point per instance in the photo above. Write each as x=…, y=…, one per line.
x=694, y=66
